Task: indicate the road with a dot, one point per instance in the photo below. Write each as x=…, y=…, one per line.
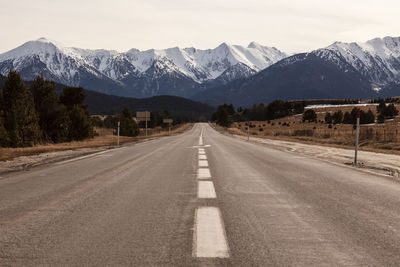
x=198, y=199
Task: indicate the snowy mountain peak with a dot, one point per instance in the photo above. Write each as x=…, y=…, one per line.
x=378, y=59
x=73, y=66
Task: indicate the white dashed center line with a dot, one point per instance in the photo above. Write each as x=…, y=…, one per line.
x=209, y=234
x=203, y=173
x=203, y=163
x=206, y=190
x=202, y=157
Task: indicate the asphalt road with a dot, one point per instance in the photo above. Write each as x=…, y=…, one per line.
x=200, y=198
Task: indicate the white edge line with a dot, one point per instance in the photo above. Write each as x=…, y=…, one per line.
x=83, y=157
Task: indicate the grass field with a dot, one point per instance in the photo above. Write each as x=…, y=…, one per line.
x=105, y=138
x=373, y=137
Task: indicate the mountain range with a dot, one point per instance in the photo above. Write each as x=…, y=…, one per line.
x=226, y=74
x=172, y=71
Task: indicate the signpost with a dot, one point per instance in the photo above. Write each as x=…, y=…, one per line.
x=357, y=135
x=119, y=122
x=143, y=116
x=169, y=121
x=248, y=130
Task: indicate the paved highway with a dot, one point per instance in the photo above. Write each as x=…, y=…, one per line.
x=198, y=199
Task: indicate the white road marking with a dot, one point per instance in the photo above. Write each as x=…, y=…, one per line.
x=203, y=163
x=200, y=146
x=202, y=157
x=202, y=153
x=206, y=190
x=200, y=141
x=209, y=238
x=203, y=173
x=83, y=157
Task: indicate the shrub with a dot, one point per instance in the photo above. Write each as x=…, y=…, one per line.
x=128, y=126
x=310, y=116
x=337, y=117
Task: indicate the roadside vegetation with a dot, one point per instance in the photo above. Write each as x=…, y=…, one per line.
x=39, y=115
x=326, y=125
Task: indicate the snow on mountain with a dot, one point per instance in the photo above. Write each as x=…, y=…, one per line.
x=65, y=63
x=378, y=59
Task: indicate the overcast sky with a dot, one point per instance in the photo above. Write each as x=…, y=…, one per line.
x=289, y=25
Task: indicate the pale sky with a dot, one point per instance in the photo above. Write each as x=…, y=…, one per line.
x=289, y=25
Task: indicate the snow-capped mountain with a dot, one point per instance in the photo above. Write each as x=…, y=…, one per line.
x=137, y=73
x=377, y=59
x=341, y=70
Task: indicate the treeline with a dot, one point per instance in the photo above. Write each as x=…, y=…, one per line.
x=384, y=111
x=394, y=100
x=226, y=114
x=38, y=114
x=326, y=102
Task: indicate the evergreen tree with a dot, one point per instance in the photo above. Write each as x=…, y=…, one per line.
x=128, y=126
x=309, y=115
x=347, y=119
x=337, y=117
x=381, y=118
x=3, y=133
x=222, y=115
x=367, y=117
x=80, y=126
x=328, y=118
x=53, y=116
x=73, y=96
x=20, y=118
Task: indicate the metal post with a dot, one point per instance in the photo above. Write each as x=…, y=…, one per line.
x=357, y=135
x=248, y=131
x=169, y=128
x=146, y=125
x=118, y=131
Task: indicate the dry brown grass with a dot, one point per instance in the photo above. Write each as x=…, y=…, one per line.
x=105, y=138
x=375, y=137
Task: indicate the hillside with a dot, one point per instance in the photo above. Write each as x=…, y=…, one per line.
x=100, y=103
x=108, y=104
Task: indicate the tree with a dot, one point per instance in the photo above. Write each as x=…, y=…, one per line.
x=3, y=133
x=381, y=118
x=328, y=118
x=80, y=126
x=20, y=118
x=347, y=119
x=128, y=126
x=387, y=111
x=110, y=122
x=309, y=115
x=73, y=96
x=223, y=114
x=367, y=117
x=337, y=117
x=53, y=116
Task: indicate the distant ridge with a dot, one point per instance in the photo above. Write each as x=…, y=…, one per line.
x=99, y=103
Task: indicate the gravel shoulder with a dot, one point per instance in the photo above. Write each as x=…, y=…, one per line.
x=386, y=164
